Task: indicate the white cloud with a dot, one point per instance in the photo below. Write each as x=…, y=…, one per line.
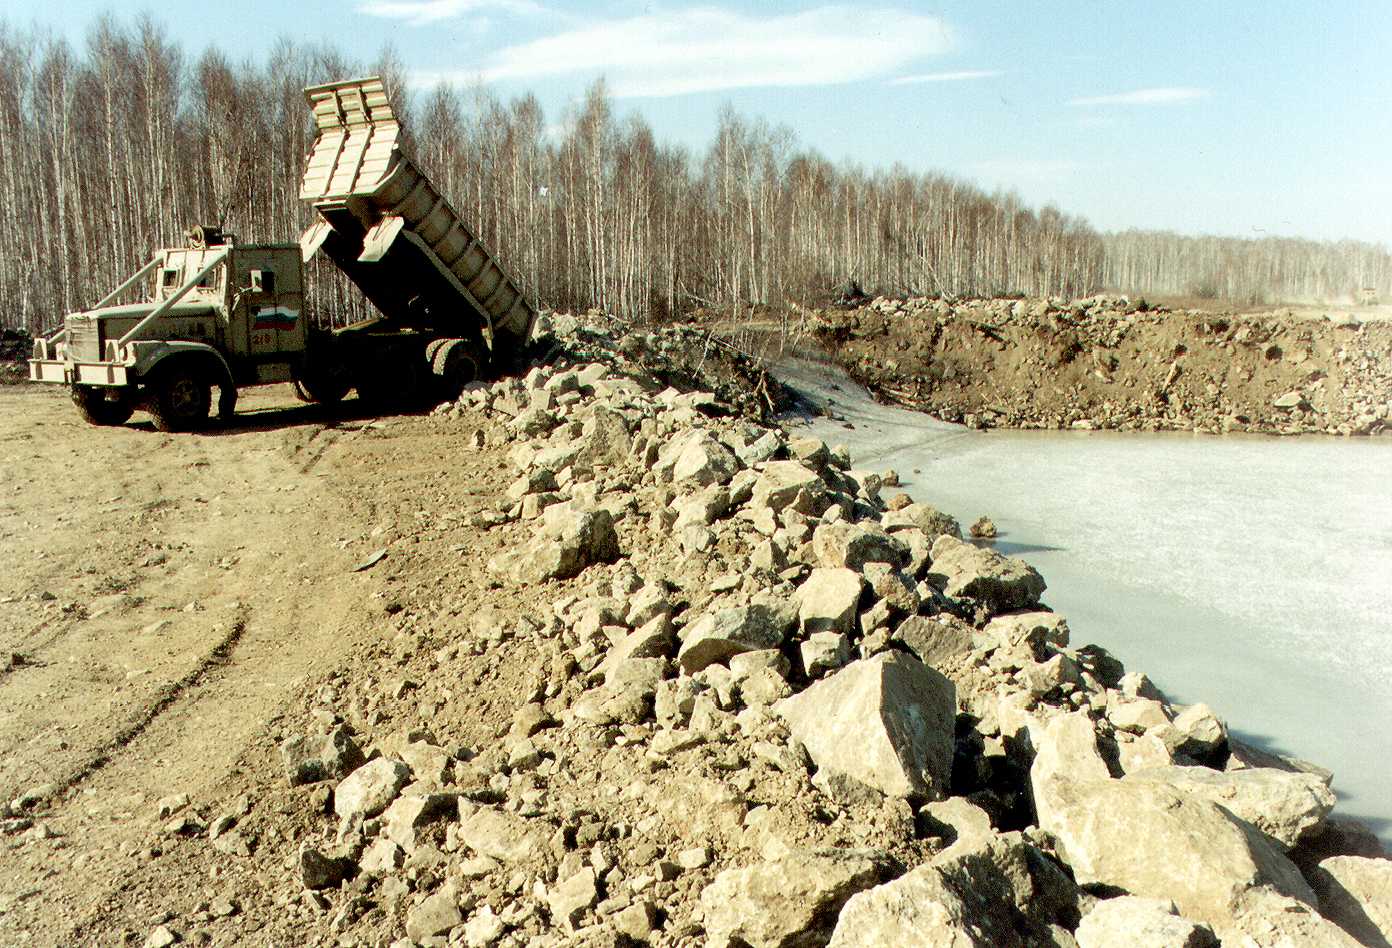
x=1164, y=95
x=960, y=76
x=425, y=12
x=704, y=49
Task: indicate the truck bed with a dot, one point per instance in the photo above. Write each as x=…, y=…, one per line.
x=390, y=230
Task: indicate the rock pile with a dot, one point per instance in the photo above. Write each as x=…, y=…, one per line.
x=768, y=706
x=1109, y=362
x=686, y=357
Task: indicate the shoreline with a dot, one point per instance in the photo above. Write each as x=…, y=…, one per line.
x=1060, y=530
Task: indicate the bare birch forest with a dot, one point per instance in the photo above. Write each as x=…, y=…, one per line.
x=112, y=149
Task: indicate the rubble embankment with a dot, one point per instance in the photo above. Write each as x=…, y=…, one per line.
x=1115, y=363
x=772, y=701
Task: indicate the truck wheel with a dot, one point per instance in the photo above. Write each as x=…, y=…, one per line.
x=454, y=365
x=181, y=400
x=97, y=409
x=323, y=389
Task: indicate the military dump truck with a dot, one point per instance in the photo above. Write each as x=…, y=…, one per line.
x=218, y=314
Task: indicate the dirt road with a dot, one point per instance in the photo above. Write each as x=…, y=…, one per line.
x=165, y=603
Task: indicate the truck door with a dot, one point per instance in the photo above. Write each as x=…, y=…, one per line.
x=272, y=301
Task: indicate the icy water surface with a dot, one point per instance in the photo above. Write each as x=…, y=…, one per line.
x=1253, y=573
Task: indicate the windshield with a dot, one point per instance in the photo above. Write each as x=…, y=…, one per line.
x=180, y=267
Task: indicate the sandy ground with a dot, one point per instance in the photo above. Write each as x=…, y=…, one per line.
x=166, y=604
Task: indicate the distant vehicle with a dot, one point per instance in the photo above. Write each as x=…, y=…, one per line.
x=224, y=315
x=1366, y=296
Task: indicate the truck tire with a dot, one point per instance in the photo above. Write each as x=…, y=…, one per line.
x=326, y=390
x=181, y=399
x=97, y=409
x=454, y=365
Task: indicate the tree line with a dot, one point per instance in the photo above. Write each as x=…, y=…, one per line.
x=110, y=150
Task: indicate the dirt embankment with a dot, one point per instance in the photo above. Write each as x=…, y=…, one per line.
x=1113, y=363
x=581, y=659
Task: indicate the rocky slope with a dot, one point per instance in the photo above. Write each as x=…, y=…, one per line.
x=1115, y=363
x=661, y=673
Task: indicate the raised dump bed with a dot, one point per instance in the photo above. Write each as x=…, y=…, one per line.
x=391, y=231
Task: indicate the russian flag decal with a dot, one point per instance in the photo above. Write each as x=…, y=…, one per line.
x=275, y=317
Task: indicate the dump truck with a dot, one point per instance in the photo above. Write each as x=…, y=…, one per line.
x=219, y=314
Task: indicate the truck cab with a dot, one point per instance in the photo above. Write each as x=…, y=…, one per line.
x=210, y=315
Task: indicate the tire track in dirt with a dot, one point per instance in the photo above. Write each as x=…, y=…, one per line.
x=165, y=699
x=243, y=498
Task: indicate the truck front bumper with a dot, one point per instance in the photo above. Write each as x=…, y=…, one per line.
x=77, y=373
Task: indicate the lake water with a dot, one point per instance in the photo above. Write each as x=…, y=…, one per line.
x=1253, y=573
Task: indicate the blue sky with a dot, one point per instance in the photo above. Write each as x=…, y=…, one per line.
x=1243, y=118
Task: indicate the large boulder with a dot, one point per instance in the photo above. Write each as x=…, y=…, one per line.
x=824, y=651
x=370, y=789
x=1267, y=919
x=605, y=440
x=655, y=639
x=852, y=545
x=435, y=915
x=1197, y=732
x=717, y=636
x=780, y=482
x=1135, y=715
x=892, y=586
x=885, y=722
x=942, y=641
x=1027, y=633
x=1065, y=750
x=323, y=870
x=1156, y=841
x=918, y=908
x=828, y=600
x=1140, y=923
x=1355, y=892
x=571, y=538
x=932, y=521
x=997, y=582
x=409, y=813
x=500, y=835
x=701, y=508
x=994, y=892
x=309, y=759
x=572, y=897
x=702, y=460
x=787, y=902
x=1282, y=804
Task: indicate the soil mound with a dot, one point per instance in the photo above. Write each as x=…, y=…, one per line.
x=1108, y=362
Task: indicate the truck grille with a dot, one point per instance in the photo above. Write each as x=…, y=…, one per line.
x=84, y=340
